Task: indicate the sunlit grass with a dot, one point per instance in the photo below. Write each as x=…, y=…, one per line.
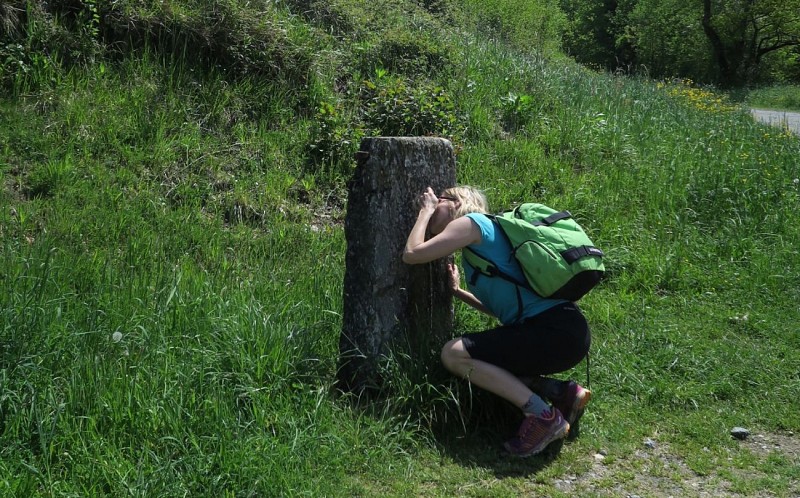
x=780, y=97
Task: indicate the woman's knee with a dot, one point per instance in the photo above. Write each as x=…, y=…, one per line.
x=452, y=352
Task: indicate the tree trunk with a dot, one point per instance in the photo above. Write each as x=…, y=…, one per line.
x=717, y=46
x=391, y=308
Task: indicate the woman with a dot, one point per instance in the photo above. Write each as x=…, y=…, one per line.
x=546, y=336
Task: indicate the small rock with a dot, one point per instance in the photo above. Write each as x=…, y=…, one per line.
x=740, y=433
x=598, y=457
x=649, y=443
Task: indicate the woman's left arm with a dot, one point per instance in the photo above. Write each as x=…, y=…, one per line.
x=459, y=233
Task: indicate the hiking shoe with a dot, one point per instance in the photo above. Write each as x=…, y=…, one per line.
x=535, y=434
x=572, y=402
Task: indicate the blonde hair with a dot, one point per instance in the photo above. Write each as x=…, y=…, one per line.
x=471, y=200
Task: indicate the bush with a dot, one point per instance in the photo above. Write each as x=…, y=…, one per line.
x=402, y=51
x=335, y=140
x=394, y=106
x=220, y=35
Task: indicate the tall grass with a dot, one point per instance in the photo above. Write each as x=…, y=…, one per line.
x=172, y=267
x=781, y=97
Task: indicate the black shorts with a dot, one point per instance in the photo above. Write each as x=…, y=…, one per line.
x=550, y=342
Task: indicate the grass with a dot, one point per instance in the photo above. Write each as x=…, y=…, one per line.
x=779, y=97
x=163, y=335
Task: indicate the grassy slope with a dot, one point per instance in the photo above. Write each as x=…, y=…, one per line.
x=162, y=334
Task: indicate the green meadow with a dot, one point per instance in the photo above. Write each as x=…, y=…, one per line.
x=172, y=258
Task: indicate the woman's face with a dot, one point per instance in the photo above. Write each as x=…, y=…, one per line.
x=443, y=214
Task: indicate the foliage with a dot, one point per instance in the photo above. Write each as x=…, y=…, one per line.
x=393, y=106
x=714, y=41
x=534, y=25
x=669, y=41
x=783, y=97
x=335, y=140
x=742, y=34
x=516, y=110
x=592, y=32
x=387, y=106
x=401, y=51
x=226, y=36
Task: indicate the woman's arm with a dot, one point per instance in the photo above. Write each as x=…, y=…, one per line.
x=416, y=237
x=461, y=294
x=457, y=234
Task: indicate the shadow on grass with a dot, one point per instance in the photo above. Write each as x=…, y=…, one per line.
x=482, y=446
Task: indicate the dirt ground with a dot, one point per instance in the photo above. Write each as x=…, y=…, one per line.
x=655, y=471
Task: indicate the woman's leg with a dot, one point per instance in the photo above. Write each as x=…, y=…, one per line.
x=546, y=387
x=484, y=375
x=541, y=426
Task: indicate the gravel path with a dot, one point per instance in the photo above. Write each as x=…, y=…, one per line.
x=779, y=118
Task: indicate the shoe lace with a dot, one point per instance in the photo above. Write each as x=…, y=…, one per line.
x=534, y=426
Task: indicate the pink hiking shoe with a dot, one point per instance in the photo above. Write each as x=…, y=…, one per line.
x=535, y=434
x=572, y=402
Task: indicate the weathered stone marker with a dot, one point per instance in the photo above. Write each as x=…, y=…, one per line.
x=389, y=306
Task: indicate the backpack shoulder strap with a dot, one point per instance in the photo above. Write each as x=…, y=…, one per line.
x=485, y=267
x=481, y=265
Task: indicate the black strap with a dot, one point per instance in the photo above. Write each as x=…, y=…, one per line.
x=576, y=253
x=561, y=215
x=588, y=384
x=494, y=271
x=519, y=303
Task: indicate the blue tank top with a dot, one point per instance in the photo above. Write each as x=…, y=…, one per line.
x=497, y=294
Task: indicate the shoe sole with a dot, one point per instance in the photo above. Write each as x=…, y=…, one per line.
x=561, y=434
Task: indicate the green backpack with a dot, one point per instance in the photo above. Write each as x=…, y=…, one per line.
x=555, y=254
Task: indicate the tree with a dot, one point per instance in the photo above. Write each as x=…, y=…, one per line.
x=743, y=32
x=716, y=41
x=587, y=36
x=668, y=40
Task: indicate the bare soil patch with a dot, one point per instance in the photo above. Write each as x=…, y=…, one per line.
x=654, y=470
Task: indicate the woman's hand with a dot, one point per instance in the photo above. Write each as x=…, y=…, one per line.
x=450, y=235
x=427, y=200
x=463, y=295
x=454, y=278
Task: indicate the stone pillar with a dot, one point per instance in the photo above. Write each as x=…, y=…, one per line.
x=389, y=306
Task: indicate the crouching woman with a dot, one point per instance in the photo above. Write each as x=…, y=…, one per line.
x=536, y=336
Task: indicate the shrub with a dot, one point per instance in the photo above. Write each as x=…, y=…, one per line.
x=335, y=139
x=38, y=38
x=402, y=51
x=395, y=106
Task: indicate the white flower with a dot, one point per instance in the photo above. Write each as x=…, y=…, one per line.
x=116, y=336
